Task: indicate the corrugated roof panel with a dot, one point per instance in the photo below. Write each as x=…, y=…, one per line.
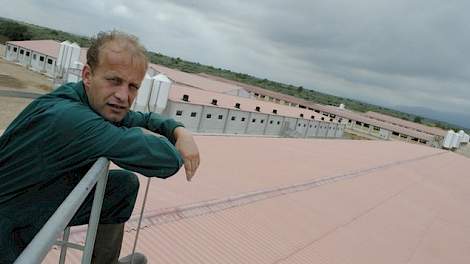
x=194, y=80
x=389, y=202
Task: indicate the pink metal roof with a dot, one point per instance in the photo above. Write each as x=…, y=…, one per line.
x=408, y=124
x=202, y=97
x=46, y=47
x=273, y=94
x=274, y=200
x=195, y=80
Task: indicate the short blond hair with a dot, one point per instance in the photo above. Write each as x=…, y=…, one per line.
x=105, y=37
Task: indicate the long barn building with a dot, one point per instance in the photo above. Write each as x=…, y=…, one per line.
x=209, y=104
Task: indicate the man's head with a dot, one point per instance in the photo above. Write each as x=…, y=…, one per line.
x=116, y=66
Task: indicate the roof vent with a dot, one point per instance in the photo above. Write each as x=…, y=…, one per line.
x=237, y=105
x=185, y=97
x=214, y=101
x=257, y=109
x=301, y=115
x=274, y=111
x=312, y=117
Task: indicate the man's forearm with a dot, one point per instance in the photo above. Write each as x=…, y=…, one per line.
x=159, y=124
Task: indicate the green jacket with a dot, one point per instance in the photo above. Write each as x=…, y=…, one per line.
x=59, y=135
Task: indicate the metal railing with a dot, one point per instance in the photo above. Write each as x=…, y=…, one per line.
x=37, y=250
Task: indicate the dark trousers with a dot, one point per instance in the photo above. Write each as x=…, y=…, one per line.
x=20, y=222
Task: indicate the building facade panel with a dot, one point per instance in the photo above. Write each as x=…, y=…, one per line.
x=50, y=65
x=322, y=129
x=20, y=55
x=26, y=58
x=312, y=128
x=38, y=62
x=188, y=114
x=331, y=130
x=237, y=122
x=290, y=123
x=274, y=125
x=256, y=123
x=12, y=52
x=301, y=126
x=340, y=130
x=384, y=133
x=212, y=119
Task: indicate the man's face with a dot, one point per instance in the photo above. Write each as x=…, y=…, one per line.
x=112, y=86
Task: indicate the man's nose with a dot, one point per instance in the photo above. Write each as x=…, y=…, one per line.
x=122, y=93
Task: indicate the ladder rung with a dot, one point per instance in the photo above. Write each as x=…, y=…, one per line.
x=69, y=245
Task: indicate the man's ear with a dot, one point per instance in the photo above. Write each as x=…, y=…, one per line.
x=86, y=75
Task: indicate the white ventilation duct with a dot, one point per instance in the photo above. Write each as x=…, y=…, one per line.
x=141, y=102
x=447, y=143
x=341, y=106
x=64, y=54
x=461, y=136
x=74, y=73
x=466, y=138
x=63, y=47
x=74, y=55
x=160, y=92
x=455, y=140
x=69, y=53
x=153, y=94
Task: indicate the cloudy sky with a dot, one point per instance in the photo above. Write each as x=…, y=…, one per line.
x=410, y=55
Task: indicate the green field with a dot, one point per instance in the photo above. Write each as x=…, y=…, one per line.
x=15, y=30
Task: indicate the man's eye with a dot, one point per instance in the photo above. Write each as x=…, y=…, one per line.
x=134, y=87
x=114, y=81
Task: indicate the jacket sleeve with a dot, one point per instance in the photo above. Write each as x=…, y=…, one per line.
x=153, y=122
x=86, y=136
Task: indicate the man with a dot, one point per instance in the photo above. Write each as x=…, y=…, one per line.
x=49, y=147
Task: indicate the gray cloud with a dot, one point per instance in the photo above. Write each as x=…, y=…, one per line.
x=387, y=52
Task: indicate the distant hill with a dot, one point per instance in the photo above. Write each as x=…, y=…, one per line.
x=16, y=30
x=452, y=118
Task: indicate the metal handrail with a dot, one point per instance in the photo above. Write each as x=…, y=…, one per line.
x=37, y=250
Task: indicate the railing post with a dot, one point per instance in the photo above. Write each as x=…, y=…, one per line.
x=94, y=217
x=38, y=248
x=63, y=250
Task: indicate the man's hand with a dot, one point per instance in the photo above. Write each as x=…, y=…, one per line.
x=188, y=149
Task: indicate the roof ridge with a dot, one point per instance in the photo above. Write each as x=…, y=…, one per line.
x=166, y=215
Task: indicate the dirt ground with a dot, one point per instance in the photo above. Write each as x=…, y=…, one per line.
x=17, y=76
